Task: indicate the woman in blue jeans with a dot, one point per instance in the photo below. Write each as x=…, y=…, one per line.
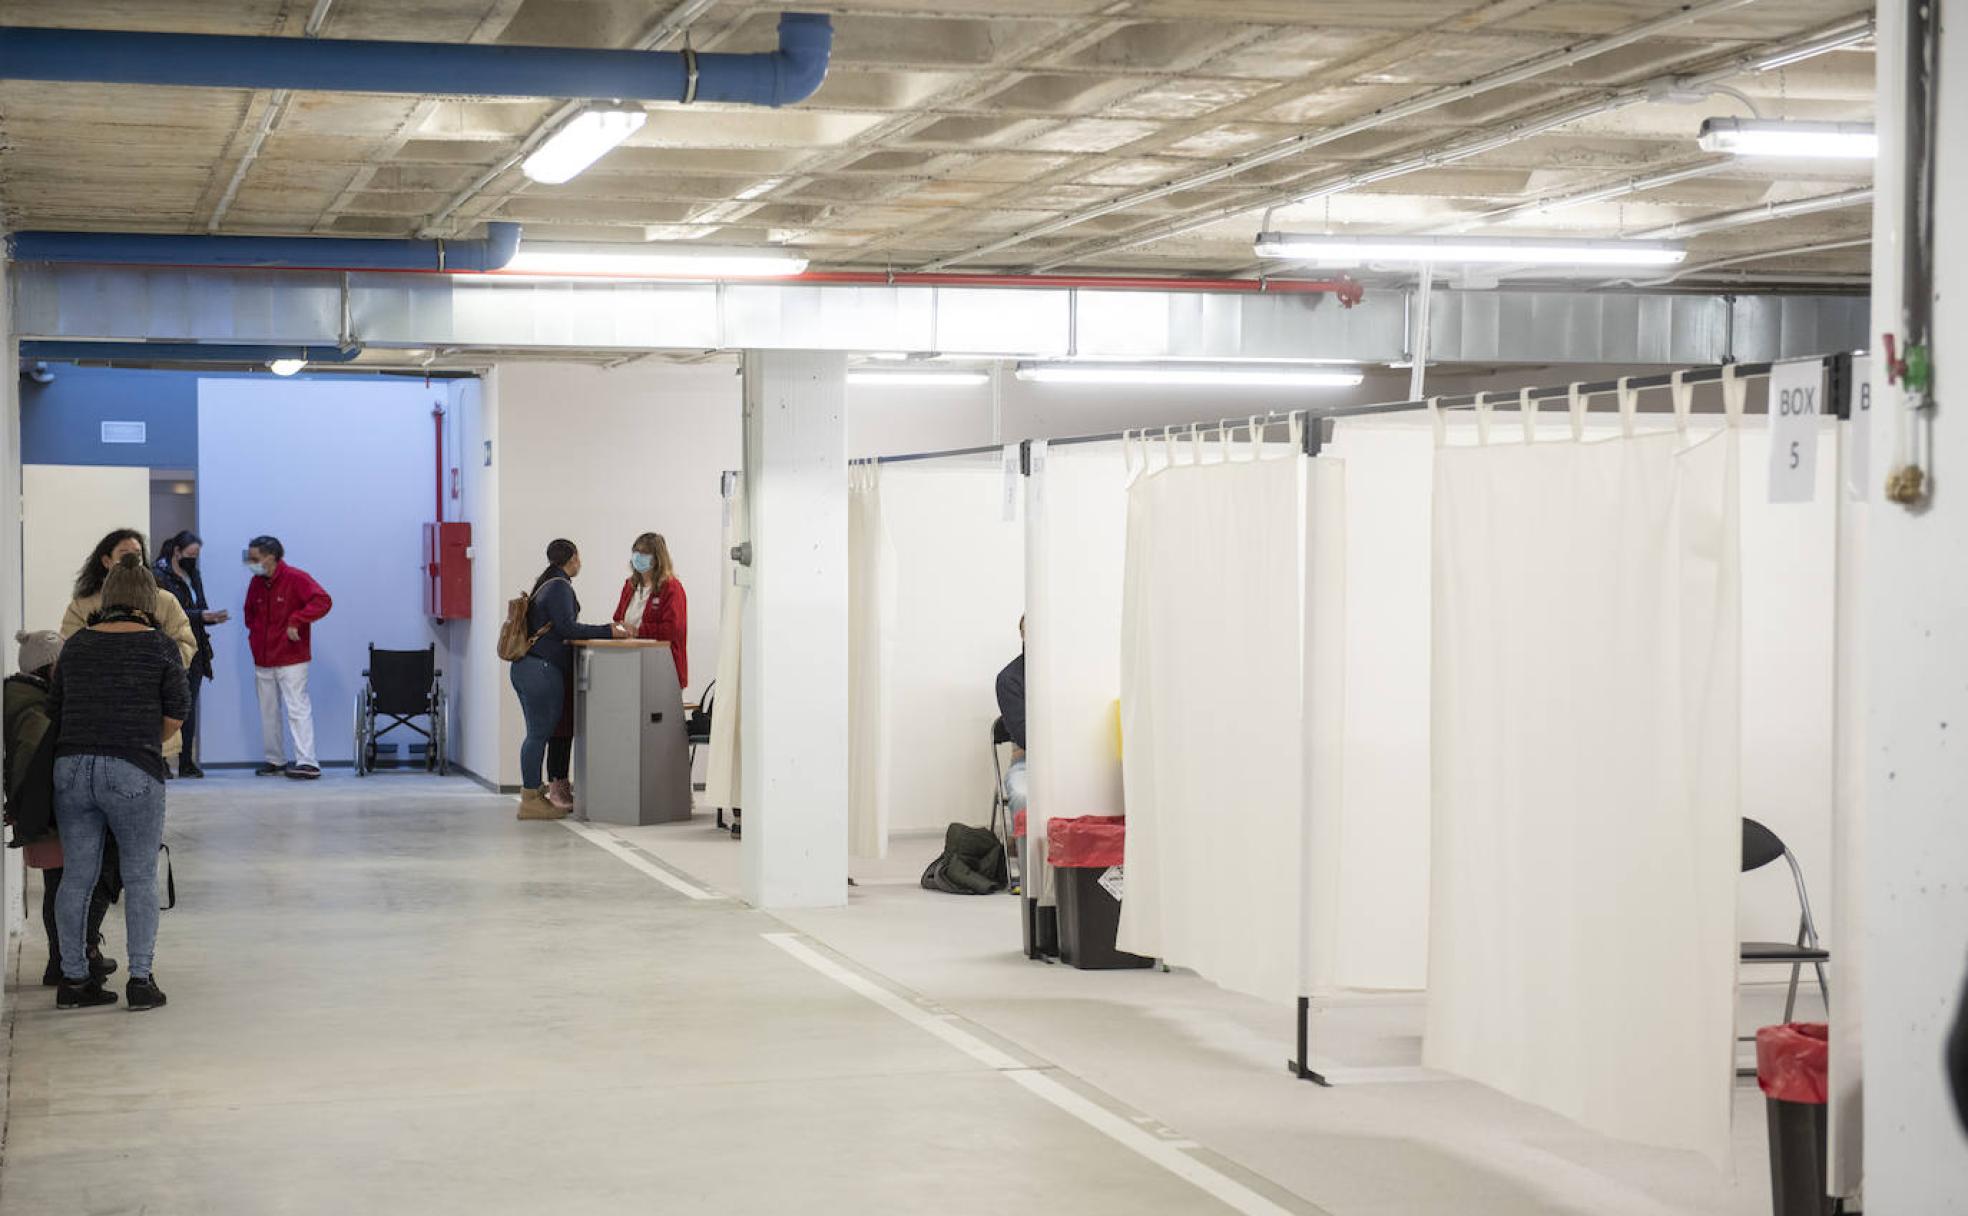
x=544, y=677
x=117, y=693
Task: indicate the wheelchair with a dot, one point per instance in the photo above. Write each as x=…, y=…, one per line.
x=401, y=685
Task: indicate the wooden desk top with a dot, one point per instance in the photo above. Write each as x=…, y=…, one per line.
x=622, y=643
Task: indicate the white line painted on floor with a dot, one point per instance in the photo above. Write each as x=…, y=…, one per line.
x=1169, y=1154
x=972, y=1046
x=611, y=843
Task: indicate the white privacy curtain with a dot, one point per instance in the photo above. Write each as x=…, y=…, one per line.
x=1369, y=813
x=869, y=608
x=936, y=586
x=722, y=769
x=1075, y=541
x=1211, y=714
x=1586, y=779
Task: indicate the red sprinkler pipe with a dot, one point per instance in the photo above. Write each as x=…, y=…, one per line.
x=437, y=485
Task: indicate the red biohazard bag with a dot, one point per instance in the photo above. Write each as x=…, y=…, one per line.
x=1089, y=842
x=1792, y=1061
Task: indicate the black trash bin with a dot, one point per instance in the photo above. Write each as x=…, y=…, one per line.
x=1791, y=1066
x=1086, y=854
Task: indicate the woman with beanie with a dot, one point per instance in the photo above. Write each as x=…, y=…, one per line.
x=117, y=694
x=544, y=679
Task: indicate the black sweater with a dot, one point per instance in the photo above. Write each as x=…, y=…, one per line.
x=111, y=692
x=555, y=609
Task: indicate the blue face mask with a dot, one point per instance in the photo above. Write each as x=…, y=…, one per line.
x=642, y=562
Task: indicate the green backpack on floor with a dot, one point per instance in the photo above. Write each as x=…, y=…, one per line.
x=972, y=863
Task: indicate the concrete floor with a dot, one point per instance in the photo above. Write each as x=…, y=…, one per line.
x=388, y=996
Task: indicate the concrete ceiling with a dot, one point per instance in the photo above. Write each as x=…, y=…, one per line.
x=946, y=126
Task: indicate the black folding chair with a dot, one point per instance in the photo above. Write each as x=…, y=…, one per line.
x=401, y=685
x=1760, y=847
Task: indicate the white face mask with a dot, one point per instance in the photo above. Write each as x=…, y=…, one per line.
x=256, y=568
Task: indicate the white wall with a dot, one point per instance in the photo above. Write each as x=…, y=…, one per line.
x=65, y=510
x=1915, y=655
x=341, y=472
x=480, y=692
x=599, y=457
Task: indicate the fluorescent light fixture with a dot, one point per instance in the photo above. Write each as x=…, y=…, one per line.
x=1187, y=375
x=586, y=138
x=915, y=379
x=890, y=356
x=286, y=367
x=1514, y=251
x=655, y=261
x=1801, y=140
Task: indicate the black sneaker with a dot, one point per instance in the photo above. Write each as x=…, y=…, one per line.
x=83, y=994
x=303, y=772
x=269, y=770
x=142, y=993
x=188, y=767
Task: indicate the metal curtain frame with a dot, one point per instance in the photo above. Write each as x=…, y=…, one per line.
x=1838, y=366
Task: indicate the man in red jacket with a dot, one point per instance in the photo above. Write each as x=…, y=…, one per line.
x=282, y=605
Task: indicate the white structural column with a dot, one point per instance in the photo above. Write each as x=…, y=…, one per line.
x=1914, y=888
x=793, y=741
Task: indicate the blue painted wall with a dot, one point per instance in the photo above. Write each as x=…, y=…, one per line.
x=61, y=423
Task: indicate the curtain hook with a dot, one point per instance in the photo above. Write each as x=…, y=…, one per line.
x=1735, y=392
x=1441, y=423
x=1483, y=419
x=1577, y=401
x=1629, y=403
x=1684, y=399
x=1527, y=413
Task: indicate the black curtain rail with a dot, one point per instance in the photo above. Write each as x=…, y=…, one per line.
x=947, y=454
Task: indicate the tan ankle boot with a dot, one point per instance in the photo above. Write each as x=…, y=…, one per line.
x=533, y=804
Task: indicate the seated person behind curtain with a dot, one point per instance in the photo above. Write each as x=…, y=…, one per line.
x=653, y=603
x=1011, y=705
x=118, y=692
x=544, y=680
x=30, y=739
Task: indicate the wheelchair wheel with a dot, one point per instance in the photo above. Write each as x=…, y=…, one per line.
x=363, y=759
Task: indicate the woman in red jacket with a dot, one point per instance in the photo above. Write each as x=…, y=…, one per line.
x=653, y=603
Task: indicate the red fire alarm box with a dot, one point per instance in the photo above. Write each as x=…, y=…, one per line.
x=447, y=569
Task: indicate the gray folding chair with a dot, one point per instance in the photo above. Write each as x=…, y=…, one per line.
x=1760, y=847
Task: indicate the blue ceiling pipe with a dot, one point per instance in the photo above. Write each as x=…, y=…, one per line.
x=180, y=352
x=269, y=252
x=778, y=78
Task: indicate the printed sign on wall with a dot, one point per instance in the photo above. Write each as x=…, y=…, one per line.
x=1796, y=401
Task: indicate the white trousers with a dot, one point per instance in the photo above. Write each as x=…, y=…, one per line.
x=289, y=685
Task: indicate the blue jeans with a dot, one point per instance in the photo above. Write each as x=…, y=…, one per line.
x=542, y=695
x=96, y=796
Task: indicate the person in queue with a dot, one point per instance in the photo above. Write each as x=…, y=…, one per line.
x=544, y=679
x=282, y=604
x=176, y=571
x=167, y=613
x=117, y=692
x=653, y=604
x=30, y=739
